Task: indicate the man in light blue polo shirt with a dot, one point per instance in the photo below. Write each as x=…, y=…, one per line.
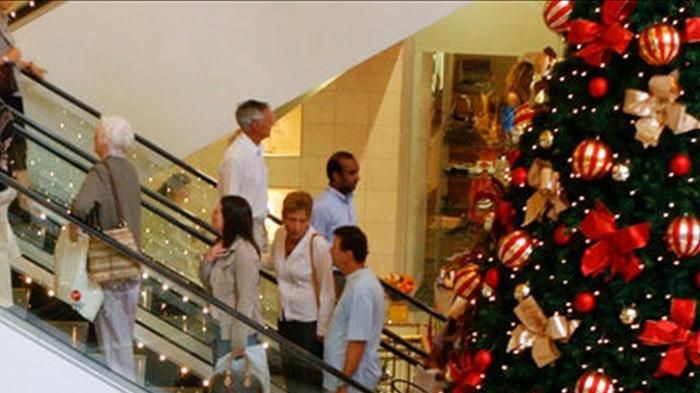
x=353, y=336
x=334, y=207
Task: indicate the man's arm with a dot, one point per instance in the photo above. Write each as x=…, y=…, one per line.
x=353, y=355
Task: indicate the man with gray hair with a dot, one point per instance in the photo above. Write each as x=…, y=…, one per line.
x=243, y=171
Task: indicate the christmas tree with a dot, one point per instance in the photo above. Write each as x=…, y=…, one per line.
x=599, y=282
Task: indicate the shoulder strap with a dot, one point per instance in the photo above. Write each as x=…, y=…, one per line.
x=117, y=204
x=314, y=273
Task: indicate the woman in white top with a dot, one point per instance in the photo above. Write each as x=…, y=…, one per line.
x=301, y=259
x=231, y=272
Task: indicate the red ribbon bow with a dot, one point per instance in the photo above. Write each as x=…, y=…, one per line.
x=613, y=246
x=465, y=373
x=684, y=343
x=609, y=35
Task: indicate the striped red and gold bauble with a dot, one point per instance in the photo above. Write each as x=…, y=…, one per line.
x=659, y=44
x=515, y=249
x=594, y=382
x=592, y=159
x=683, y=236
x=556, y=14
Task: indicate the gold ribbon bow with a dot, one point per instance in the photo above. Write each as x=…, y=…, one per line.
x=549, y=197
x=539, y=332
x=658, y=109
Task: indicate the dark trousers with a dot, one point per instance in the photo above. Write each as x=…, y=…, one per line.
x=299, y=376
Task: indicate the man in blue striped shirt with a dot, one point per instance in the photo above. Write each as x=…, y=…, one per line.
x=334, y=207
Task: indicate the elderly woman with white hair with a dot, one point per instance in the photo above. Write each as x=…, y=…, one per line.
x=113, y=177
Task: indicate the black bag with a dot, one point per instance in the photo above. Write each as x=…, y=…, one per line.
x=235, y=381
x=8, y=82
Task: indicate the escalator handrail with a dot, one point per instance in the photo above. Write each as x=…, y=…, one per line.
x=178, y=280
x=94, y=112
x=85, y=169
x=418, y=304
x=92, y=159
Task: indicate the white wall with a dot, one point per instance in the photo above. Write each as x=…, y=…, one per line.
x=177, y=69
x=28, y=367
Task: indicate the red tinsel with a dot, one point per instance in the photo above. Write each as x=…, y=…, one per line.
x=684, y=343
x=465, y=373
x=613, y=247
x=601, y=38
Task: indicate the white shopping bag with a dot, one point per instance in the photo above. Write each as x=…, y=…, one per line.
x=256, y=363
x=9, y=250
x=71, y=282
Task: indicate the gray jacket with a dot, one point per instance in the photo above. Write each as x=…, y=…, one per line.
x=233, y=279
x=97, y=188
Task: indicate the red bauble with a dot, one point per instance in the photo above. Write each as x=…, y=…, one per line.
x=473, y=378
x=659, y=44
x=584, y=302
x=598, y=87
x=562, y=235
x=515, y=248
x=519, y=176
x=556, y=14
x=492, y=277
x=592, y=159
x=482, y=359
x=680, y=165
x=75, y=295
x=683, y=236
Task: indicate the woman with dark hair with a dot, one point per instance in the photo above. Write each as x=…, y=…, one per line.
x=231, y=271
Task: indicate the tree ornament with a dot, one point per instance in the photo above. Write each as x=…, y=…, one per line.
x=658, y=109
x=521, y=291
x=513, y=155
x=592, y=159
x=680, y=165
x=629, y=315
x=548, y=198
x=676, y=331
x=659, y=44
x=600, y=39
x=519, y=176
x=620, y=172
x=514, y=249
x=556, y=14
x=562, y=235
x=482, y=359
x=539, y=332
x=683, y=236
x=584, y=302
x=598, y=87
x=466, y=288
x=613, y=247
x=546, y=139
x=594, y=382
x=492, y=277
x=75, y=295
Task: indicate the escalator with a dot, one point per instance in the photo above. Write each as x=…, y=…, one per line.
x=174, y=323
x=175, y=233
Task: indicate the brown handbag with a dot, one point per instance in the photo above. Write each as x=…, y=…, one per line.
x=105, y=264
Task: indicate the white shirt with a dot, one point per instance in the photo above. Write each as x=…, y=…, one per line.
x=296, y=290
x=243, y=172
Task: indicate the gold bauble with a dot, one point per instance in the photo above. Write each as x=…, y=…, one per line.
x=546, y=139
x=620, y=172
x=629, y=315
x=521, y=291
